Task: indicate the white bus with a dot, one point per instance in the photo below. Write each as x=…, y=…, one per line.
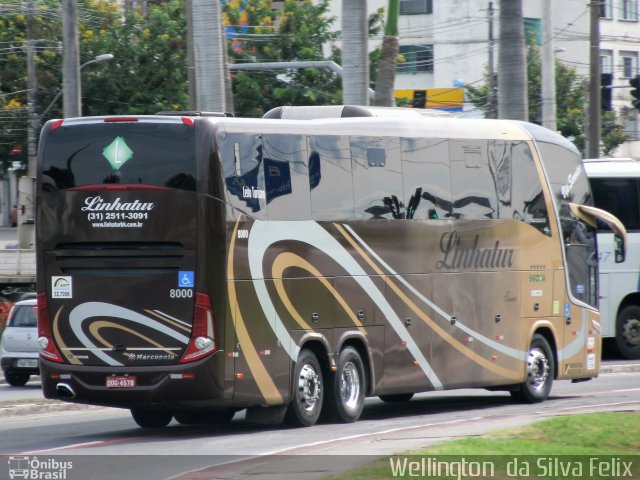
x=615, y=183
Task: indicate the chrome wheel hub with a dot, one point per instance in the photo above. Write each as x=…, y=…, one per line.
x=350, y=385
x=537, y=369
x=308, y=387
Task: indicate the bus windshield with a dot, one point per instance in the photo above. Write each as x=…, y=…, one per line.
x=119, y=153
x=578, y=236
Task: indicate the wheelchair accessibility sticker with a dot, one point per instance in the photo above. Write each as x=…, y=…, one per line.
x=186, y=279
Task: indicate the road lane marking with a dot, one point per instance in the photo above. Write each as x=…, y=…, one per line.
x=74, y=446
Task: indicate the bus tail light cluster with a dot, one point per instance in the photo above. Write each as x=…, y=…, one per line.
x=203, y=340
x=48, y=349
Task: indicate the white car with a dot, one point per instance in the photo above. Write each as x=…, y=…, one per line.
x=19, y=344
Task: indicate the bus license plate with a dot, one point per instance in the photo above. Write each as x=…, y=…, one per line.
x=121, y=381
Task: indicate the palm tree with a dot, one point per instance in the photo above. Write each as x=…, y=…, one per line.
x=512, y=69
x=355, y=55
x=386, y=76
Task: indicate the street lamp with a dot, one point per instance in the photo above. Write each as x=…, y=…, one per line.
x=103, y=57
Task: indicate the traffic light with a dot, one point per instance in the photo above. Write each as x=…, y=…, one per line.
x=635, y=93
x=419, y=99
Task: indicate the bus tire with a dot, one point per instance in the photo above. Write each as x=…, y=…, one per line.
x=346, y=388
x=396, y=398
x=307, y=391
x=150, y=417
x=628, y=332
x=540, y=372
x=190, y=417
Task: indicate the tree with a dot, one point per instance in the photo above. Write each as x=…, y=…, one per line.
x=297, y=32
x=148, y=73
x=613, y=134
x=512, y=74
x=13, y=73
x=387, y=68
x=570, y=102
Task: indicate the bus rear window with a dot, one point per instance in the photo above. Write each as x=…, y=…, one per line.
x=160, y=155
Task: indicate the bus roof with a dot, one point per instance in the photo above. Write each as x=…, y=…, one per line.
x=386, y=126
x=409, y=125
x=316, y=112
x=611, y=167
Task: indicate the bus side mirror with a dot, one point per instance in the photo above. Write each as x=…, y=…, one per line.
x=591, y=215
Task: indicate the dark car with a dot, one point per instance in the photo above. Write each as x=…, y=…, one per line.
x=19, y=344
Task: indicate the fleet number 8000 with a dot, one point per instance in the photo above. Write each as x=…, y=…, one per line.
x=181, y=293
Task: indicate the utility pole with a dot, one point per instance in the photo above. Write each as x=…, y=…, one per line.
x=512, y=74
x=491, y=94
x=26, y=184
x=593, y=135
x=355, y=53
x=208, y=55
x=32, y=87
x=548, y=70
x=71, y=99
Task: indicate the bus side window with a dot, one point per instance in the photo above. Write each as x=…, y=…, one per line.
x=618, y=196
x=473, y=184
x=330, y=179
x=426, y=178
x=377, y=178
x=286, y=177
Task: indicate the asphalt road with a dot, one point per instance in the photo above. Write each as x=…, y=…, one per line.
x=105, y=443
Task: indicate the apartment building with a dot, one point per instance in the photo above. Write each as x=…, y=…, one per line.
x=447, y=43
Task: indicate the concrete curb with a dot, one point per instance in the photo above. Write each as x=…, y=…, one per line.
x=41, y=406
x=619, y=368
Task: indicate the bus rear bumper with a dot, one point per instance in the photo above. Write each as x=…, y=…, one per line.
x=186, y=385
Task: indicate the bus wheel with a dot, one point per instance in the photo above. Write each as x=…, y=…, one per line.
x=307, y=394
x=628, y=332
x=218, y=417
x=540, y=372
x=150, y=417
x=346, y=388
x=397, y=398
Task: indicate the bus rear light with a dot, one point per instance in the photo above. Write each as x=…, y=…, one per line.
x=48, y=349
x=203, y=339
x=57, y=124
x=188, y=121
